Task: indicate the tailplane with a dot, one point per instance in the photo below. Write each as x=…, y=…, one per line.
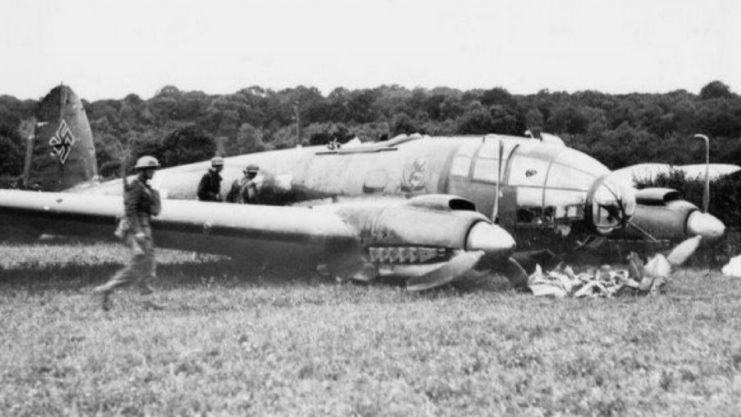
x=60, y=152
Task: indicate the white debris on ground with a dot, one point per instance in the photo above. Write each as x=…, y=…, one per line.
x=733, y=268
x=606, y=281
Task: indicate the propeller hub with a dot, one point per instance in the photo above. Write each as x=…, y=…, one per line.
x=496, y=243
x=612, y=204
x=705, y=225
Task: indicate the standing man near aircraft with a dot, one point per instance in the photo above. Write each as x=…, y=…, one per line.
x=244, y=190
x=209, y=189
x=141, y=202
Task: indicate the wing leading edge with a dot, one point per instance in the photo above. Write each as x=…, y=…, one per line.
x=429, y=240
x=235, y=230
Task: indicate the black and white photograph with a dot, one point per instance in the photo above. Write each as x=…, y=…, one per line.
x=370, y=208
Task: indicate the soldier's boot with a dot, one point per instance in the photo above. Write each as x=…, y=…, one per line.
x=104, y=292
x=144, y=288
x=105, y=297
x=106, y=302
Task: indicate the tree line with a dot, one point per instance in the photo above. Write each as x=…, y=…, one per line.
x=184, y=126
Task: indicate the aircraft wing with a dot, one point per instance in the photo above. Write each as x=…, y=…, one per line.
x=239, y=231
x=650, y=171
x=428, y=236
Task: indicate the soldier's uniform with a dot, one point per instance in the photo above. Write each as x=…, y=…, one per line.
x=140, y=203
x=209, y=188
x=244, y=190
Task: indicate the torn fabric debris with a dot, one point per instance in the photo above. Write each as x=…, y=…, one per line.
x=637, y=279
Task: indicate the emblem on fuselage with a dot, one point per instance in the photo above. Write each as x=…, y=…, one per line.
x=413, y=177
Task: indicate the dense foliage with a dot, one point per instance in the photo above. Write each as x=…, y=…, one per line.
x=182, y=126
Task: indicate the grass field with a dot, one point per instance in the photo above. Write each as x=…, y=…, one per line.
x=254, y=342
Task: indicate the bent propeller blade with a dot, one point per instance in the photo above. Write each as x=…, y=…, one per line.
x=706, y=191
x=516, y=274
x=683, y=251
x=459, y=265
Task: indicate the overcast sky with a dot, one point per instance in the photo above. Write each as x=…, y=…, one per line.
x=107, y=49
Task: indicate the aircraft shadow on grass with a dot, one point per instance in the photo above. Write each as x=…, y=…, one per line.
x=32, y=277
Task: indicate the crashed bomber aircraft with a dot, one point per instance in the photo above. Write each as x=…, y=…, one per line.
x=418, y=207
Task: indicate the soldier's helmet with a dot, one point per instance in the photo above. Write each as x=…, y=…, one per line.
x=252, y=169
x=217, y=161
x=146, y=162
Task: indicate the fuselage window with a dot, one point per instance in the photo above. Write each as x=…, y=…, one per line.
x=486, y=170
x=566, y=204
x=461, y=165
x=490, y=149
x=468, y=149
x=573, y=158
x=561, y=176
x=528, y=171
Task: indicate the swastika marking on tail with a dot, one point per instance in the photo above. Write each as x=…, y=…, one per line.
x=62, y=141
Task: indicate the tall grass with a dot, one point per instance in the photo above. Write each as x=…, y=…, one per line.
x=236, y=341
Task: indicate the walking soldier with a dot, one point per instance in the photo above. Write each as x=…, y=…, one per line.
x=141, y=202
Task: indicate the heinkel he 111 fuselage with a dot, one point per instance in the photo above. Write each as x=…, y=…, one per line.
x=544, y=186
x=402, y=207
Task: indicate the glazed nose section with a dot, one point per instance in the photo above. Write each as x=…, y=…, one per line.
x=497, y=244
x=705, y=225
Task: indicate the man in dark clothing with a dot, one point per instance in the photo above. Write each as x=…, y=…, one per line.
x=141, y=202
x=209, y=189
x=244, y=190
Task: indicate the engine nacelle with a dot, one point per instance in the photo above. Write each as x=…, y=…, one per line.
x=428, y=222
x=409, y=223
x=664, y=216
x=656, y=196
x=443, y=202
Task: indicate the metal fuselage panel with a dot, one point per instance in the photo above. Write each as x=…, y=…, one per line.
x=544, y=186
x=311, y=173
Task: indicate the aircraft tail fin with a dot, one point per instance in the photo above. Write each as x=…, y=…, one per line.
x=60, y=152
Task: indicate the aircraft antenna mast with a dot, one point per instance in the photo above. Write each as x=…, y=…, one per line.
x=29, y=129
x=498, y=191
x=706, y=193
x=298, y=122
